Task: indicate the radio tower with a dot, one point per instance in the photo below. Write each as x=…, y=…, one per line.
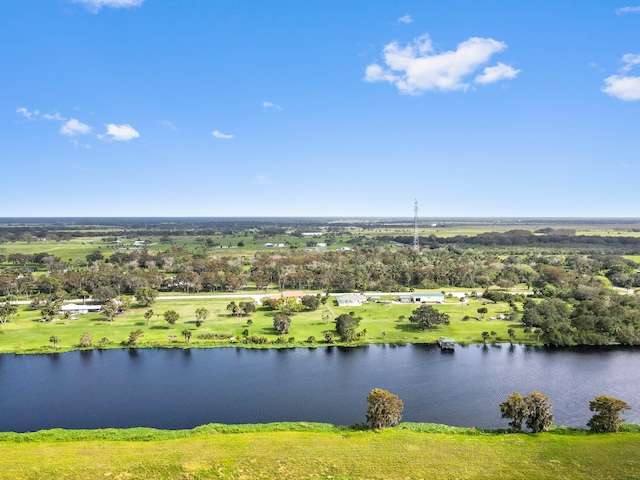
x=416, y=239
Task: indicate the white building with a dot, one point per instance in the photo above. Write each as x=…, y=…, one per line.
x=351, y=300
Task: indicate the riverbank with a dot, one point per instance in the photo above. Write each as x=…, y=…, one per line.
x=311, y=450
x=379, y=324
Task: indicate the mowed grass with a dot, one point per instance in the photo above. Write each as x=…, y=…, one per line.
x=27, y=334
x=327, y=452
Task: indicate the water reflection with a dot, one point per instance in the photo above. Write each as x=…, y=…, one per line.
x=181, y=388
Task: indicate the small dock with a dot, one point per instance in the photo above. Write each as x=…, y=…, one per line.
x=446, y=343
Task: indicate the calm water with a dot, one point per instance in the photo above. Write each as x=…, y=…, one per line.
x=185, y=388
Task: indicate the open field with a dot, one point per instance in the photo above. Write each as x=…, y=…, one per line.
x=317, y=451
x=79, y=247
x=27, y=334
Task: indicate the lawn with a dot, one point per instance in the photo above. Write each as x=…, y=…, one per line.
x=317, y=451
x=27, y=334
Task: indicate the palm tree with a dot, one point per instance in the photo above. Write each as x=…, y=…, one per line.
x=55, y=340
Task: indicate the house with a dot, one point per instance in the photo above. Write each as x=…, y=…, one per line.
x=138, y=243
x=351, y=300
x=427, y=297
x=80, y=309
x=321, y=245
x=312, y=234
x=404, y=298
x=269, y=245
x=297, y=294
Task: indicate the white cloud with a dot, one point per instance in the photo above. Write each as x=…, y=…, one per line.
x=417, y=68
x=268, y=105
x=74, y=127
x=405, y=19
x=221, y=135
x=96, y=5
x=55, y=116
x=27, y=114
x=120, y=133
x=623, y=87
x=623, y=10
x=497, y=73
x=630, y=60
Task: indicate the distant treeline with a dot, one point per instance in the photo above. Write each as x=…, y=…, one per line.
x=523, y=238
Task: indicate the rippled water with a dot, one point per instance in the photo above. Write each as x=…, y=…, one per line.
x=185, y=388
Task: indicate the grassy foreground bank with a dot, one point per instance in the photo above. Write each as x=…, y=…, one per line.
x=303, y=450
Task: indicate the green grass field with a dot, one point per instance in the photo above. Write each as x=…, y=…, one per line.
x=27, y=334
x=82, y=246
x=323, y=451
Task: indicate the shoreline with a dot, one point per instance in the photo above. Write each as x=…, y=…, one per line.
x=150, y=433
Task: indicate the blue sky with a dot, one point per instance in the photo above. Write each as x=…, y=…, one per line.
x=320, y=108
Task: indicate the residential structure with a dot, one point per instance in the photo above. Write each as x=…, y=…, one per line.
x=351, y=300
x=427, y=297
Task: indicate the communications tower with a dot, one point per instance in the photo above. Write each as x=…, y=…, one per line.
x=416, y=239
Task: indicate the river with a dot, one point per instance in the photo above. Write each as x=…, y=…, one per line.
x=184, y=388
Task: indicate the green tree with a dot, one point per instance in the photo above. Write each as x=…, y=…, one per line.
x=311, y=302
x=148, y=315
x=49, y=311
x=104, y=293
x=385, y=409
x=124, y=304
x=86, y=340
x=346, y=326
x=55, y=340
x=171, y=316
x=539, y=417
x=281, y=323
x=247, y=307
x=202, y=314
x=482, y=311
x=288, y=305
x=328, y=337
x=607, y=418
x=515, y=408
x=8, y=311
x=146, y=296
x=485, y=336
x=186, y=333
x=109, y=310
x=427, y=317
x=512, y=334
x=134, y=336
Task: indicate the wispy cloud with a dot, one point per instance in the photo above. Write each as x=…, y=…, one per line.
x=169, y=125
x=221, y=135
x=53, y=116
x=630, y=60
x=416, y=67
x=625, y=87
x=624, y=10
x=119, y=133
x=262, y=180
x=27, y=114
x=406, y=19
x=269, y=105
x=74, y=128
x=96, y=5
